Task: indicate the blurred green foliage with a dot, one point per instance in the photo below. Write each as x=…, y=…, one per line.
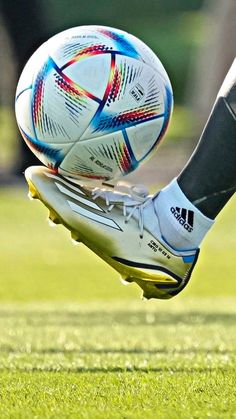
x=172, y=29
x=8, y=136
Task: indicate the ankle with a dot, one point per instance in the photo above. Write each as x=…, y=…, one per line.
x=182, y=225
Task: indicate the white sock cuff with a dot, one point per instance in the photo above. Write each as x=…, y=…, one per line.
x=182, y=224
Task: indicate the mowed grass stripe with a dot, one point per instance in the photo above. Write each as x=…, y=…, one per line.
x=199, y=394
x=110, y=360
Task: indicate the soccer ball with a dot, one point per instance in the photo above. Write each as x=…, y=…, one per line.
x=93, y=101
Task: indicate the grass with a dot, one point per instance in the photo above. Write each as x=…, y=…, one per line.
x=75, y=343
x=105, y=360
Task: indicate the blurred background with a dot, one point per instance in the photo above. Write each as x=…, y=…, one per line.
x=195, y=40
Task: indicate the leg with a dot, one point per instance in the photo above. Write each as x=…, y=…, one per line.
x=209, y=179
x=188, y=206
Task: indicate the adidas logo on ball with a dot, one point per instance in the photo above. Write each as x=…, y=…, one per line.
x=184, y=217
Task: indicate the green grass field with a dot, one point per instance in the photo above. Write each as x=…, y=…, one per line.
x=75, y=343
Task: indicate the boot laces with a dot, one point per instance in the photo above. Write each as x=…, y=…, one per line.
x=132, y=198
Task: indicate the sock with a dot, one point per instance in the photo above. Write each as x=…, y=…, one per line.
x=182, y=225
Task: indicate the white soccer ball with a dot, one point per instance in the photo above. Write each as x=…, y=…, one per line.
x=93, y=101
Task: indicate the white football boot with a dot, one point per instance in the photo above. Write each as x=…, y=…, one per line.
x=120, y=225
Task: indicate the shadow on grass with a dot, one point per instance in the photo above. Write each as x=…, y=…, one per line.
x=112, y=318
x=143, y=351
x=121, y=351
x=117, y=369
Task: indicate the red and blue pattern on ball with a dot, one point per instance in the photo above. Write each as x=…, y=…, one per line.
x=104, y=120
